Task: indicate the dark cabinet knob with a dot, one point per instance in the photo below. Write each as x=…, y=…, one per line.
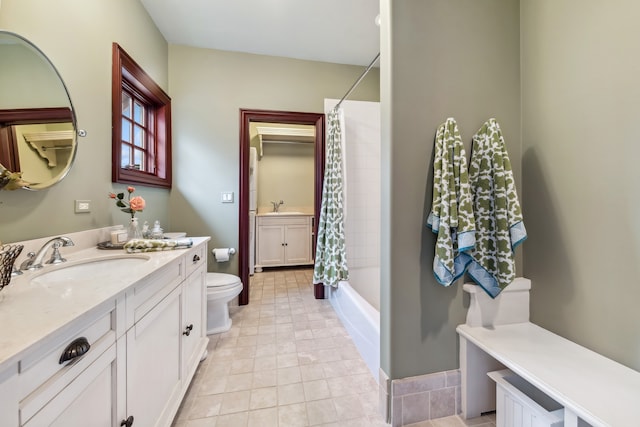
x=196, y=258
x=187, y=330
x=128, y=422
x=77, y=348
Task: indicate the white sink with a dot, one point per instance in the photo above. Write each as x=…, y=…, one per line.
x=87, y=270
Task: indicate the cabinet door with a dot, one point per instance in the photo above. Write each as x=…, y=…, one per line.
x=194, y=320
x=270, y=245
x=153, y=362
x=298, y=244
x=89, y=400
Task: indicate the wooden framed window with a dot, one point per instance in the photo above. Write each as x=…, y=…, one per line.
x=141, y=118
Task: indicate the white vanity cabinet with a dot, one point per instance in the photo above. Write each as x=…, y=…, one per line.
x=165, y=345
x=82, y=390
x=144, y=345
x=283, y=240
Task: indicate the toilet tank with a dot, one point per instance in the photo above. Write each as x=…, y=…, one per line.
x=510, y=306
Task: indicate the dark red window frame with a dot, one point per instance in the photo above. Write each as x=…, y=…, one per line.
x=128, y=75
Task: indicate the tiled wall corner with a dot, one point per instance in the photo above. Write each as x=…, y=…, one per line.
x=384, y=387
x=425, y=397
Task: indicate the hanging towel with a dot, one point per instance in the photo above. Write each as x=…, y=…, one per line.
x=331, y=255
x=451, y=216
x=499, y=225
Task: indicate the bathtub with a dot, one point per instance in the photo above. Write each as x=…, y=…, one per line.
x=361, y=320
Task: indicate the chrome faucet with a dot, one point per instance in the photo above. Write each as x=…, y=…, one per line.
x=34, y=261
x=276, y=205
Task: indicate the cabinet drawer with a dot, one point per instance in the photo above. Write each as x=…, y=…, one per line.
x=195, y=258
x=87, y=400
x=42, y=376
x=149, y=292
x=285, y=220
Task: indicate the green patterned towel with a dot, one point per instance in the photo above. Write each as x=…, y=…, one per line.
x=156, y=245
x=499, y=226
x=451, y=216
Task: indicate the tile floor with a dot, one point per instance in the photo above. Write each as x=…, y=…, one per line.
x=287, y=361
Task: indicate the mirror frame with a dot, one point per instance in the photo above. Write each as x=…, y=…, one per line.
x=38, y=115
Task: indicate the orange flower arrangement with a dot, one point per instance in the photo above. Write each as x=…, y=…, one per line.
x=131, y=205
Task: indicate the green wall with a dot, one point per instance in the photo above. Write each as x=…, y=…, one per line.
x=76, y=36
x=209, y=87
x=581, y=146
x=440, y=58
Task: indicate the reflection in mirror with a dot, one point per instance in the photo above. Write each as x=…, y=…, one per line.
x=38, y=138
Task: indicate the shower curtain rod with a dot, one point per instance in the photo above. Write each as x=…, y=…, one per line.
x=358, y=81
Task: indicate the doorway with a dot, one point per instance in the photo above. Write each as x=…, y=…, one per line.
x=268, y=116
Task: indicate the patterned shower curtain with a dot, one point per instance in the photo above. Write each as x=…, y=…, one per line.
x=331, y=256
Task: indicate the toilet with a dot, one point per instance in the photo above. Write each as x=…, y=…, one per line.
x=221, y=288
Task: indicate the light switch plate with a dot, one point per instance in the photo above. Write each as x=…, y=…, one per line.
x=226, y=197
x=82, y=206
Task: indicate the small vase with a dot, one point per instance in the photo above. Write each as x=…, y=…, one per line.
x=133, y=232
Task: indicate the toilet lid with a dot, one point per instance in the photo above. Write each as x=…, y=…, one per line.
x=221, y=280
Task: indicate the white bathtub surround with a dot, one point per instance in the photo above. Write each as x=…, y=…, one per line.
x=361, y=320
x=362, y=186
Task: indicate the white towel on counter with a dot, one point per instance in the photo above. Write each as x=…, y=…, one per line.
x=156, y=245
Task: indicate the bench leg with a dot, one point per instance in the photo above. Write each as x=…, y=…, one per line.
x=570, y=419
x=478, y=390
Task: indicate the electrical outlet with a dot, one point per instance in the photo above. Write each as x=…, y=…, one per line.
x=83, y=206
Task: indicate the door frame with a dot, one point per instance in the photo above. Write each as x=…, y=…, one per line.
x=271, y=116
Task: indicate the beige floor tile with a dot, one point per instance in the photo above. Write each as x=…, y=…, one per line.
x=265, y=379
x=235, y=402
x=263, y=418
x=321, y=412
x=263, y=398
x=311, y=372
x=316, y=390
x=286, y=361
x=290, y=393
x=205, y=406
x=239, y=419
x=289, y=375
x=239, y=382
x=293, y=415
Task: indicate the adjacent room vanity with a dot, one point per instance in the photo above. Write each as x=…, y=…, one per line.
x=105, y=339
x=283, y=239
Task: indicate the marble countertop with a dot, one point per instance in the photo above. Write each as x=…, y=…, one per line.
x=277, y=214
x=31, y=311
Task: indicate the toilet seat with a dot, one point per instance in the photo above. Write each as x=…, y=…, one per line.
x=222, y=281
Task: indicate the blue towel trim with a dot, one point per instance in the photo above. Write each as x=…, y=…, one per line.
x=483, y=278
x=466, y=240
x=446, y=277
x=518, y=234
x=433, y=222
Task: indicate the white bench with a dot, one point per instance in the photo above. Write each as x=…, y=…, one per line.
x=589, y=386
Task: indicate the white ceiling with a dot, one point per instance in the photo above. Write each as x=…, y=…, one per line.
x=338, y=31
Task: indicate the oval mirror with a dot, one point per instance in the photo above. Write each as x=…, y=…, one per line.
x=38, y=134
